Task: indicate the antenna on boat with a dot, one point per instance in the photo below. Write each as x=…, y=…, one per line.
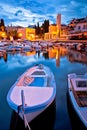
x=23, y=112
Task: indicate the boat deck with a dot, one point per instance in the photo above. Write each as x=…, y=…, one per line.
x=37, y=77
x=82, y=98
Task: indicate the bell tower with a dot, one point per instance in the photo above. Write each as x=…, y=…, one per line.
x=58, y=25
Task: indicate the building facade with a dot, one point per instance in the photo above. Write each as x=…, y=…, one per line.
x=27, y=33
x=78, y=29
x=57, y=31
x=30, y=34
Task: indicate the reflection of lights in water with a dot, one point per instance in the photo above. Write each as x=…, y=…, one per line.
x=5, y=57
x=26, y=58
x=19, y=60
x=57, y=58
x=57, y=55
x=52, y=53
x=30, y=53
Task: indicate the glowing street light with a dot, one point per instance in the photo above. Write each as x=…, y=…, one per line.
x=3, y=35
x=19, y=34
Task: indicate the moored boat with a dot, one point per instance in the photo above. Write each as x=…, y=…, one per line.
x=77, y=90
x=32, y=93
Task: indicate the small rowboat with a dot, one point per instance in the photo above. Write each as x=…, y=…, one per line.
x=32, y=93
x=77, y=90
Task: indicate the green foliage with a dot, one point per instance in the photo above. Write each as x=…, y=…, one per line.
x=2, y=25
x=44, y=28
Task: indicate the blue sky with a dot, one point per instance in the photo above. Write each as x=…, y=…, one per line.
x=29, y=12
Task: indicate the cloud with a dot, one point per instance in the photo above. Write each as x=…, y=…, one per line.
x=26, y=12
x=74, y=4
x=21, y=16
x=83, y=10
x=19, y=13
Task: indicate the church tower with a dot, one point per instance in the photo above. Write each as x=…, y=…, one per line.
x=58, y=24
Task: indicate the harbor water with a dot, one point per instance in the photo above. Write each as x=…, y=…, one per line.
x=58, y=115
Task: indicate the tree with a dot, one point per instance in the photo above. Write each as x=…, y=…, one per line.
x=15, y=34
x=37, y=28
x=2, y=22
x=45, y=26
x=2, y=25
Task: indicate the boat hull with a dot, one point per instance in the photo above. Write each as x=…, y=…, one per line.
x=80, y=110
x=28, y=100
x=45, y=120
x=32, y=115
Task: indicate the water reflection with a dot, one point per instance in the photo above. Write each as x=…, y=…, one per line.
x=51, y=53
x=5, y=56
x=55, y=53
x=30, y=53
x=57, y=60
x=75, y=56
x=44, y=121
x=46, y=54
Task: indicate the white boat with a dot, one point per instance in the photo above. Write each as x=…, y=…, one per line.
x=33, y=92
x=77, y=90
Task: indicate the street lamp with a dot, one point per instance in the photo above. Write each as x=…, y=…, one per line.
x=3, y=35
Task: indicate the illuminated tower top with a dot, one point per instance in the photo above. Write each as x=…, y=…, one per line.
x=58, y=24
x=59, y=19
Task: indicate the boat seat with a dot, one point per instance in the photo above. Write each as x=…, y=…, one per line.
x=27, y=80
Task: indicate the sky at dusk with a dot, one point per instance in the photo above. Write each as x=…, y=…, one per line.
x=29, y=12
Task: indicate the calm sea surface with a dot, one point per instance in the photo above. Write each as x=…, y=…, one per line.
x=57, y=117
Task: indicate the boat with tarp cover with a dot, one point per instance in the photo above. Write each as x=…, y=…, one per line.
x=33, y=92
x=77, y=90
